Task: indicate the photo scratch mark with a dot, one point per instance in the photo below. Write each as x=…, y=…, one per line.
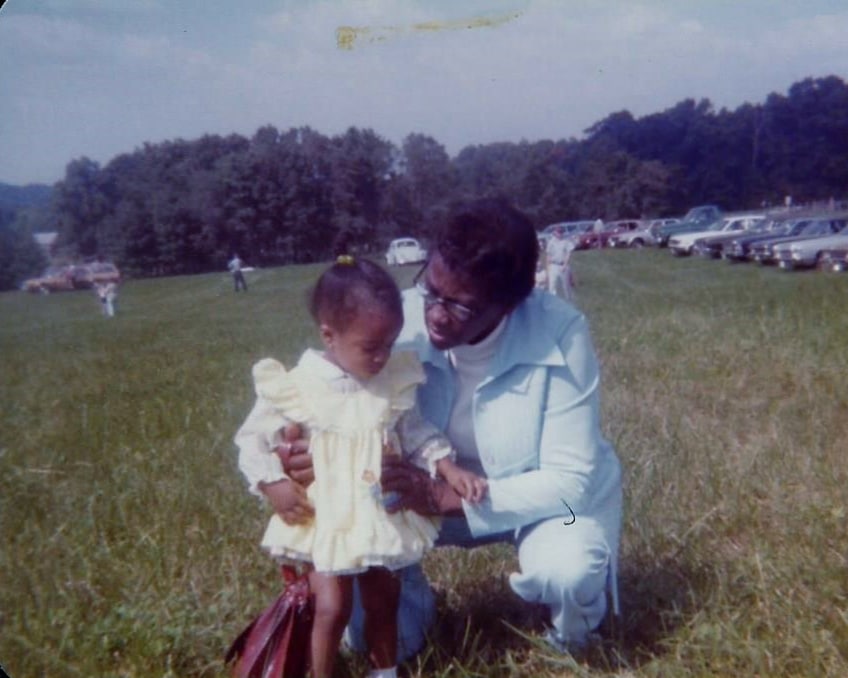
x=348, y=36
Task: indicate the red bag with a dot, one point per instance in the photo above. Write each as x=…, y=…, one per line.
x=276, y=643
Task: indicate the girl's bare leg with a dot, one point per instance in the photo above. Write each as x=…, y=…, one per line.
x=380, y=590
x=333, y=600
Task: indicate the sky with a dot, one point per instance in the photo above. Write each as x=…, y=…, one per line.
x=98, y=78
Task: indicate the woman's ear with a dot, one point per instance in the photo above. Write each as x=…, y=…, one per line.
x=327, y=334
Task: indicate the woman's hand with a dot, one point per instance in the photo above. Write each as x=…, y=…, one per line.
x=417, y=490
x=294, y=455
x=288, y=496
x=289, y=500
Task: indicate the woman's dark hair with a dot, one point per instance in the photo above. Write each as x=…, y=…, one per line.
x=493, y=245
x=348, y=286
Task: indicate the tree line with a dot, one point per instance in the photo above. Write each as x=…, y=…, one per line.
x=291, y=196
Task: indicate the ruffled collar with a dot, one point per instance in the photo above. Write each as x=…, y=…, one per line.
x=317, y=364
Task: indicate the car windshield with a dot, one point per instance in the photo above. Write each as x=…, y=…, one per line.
x=700, y=215
x=718, y=225
x=816, y=228
x=763, y=225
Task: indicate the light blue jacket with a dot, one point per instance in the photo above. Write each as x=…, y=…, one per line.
x=536, y=417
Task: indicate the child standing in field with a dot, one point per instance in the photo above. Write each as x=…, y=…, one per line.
x=356, y=399
x=107, y=293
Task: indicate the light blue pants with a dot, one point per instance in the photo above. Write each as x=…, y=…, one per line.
x=568, y=568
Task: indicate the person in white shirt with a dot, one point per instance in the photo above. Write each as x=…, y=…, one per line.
x=108, y=294
x=558, y=255
x=234, y=267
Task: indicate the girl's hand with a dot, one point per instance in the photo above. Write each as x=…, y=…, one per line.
x=470, y=486
x=474, y=487
x=289, y=500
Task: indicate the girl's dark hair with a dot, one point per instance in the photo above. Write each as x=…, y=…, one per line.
x=350, y=284
x=493, y=245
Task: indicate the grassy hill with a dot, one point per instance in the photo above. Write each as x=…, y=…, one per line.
x=130, y=546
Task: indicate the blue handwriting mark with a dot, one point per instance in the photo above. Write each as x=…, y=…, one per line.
x=573, y=519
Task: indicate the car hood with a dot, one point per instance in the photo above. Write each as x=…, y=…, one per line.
x=818, y=241
x=690, y=237
x=768, y=242
x=757, y=237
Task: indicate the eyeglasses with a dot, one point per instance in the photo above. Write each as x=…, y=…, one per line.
x=455, y=310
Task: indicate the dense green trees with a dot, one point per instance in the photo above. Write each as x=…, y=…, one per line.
x=297, y=195
x=20, y=255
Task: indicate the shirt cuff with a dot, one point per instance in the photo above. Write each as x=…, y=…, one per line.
x=271, y=472
x=435, y=450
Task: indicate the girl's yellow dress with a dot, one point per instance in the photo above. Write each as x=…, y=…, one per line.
x=351, y=425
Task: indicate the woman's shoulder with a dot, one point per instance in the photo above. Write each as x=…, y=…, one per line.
x=540, y=330
x=543, y=310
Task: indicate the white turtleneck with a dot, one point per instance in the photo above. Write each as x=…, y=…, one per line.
x=470, y=363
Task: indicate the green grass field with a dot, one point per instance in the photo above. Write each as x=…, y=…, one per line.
x=130, y=545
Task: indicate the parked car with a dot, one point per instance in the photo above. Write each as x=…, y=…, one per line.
x=570, y=228
x=763, y=251
x=806, y=253
x=834, y=259
x=696, y=219
x=105, y=272
x=713, y=246
x=642, y=236
x=740, y=246
x=592, y=239
x=72, y=277
x=681, y=244
x=405, y=251
x=54, y=279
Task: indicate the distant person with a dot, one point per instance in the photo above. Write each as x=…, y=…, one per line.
x=356, y=399
x=598, y=228
x=235, y=265
x=108, y=295
x=558, y=255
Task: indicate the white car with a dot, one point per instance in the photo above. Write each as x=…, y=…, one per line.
x=642, y=236
x=682, y=243
x=405, y=251
x=806, y=253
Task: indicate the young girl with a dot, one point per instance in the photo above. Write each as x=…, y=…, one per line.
x=357, y=401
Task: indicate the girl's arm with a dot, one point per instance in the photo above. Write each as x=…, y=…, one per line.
x=422, y=443
x=260, y=463
x=257, y=460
